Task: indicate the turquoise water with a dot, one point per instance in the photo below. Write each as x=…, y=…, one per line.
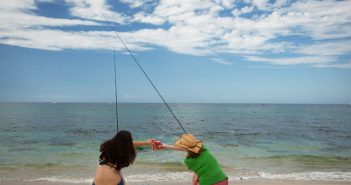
x=56, y=140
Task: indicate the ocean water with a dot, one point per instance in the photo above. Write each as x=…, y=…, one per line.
x=59, y=142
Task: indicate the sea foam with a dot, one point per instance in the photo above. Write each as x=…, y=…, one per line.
x=170, y=176
x=72, y=180
x=321, y=176
x=186, y=176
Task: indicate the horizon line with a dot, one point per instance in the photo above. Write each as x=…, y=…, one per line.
x=105, y=102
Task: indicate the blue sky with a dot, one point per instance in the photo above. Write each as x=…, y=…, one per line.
x=225, y=51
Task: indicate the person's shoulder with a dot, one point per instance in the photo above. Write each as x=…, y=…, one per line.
x=204, y=148
x=205, y=151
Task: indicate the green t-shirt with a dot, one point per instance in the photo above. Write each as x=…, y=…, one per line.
x=206, y=167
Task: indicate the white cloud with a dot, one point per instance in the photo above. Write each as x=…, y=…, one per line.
x=244, y=10
x=228, y=4
x=18, y=15
x=317, y=23
x=134, y=3
x=99, y=40
x=280, y=3
x=340, y=47
x=236, y=12
x=17, y=5
x=93, y=10
x=141, y=17
x=261, y=4
x=194, y=27
x=139, y=3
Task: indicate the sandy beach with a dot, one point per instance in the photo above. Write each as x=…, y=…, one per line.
x=244, y=182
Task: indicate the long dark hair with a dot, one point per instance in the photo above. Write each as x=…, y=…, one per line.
x=119, y=150
x=193, y=154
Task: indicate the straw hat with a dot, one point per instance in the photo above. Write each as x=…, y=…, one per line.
x=189, y=142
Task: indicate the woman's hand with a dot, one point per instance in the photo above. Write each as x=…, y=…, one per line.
x=150, y=141
x=156, y=145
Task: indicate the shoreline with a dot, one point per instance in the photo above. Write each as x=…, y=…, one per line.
x=146, y=175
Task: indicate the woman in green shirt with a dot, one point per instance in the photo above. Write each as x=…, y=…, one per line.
x=200, y=160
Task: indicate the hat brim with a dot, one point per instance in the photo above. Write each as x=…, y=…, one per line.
x=195, y=149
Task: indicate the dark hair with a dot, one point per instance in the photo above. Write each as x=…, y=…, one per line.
x=193, y=154
x=119, y=150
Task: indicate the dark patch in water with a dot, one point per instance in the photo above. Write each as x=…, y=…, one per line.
x=7, y=130
x=311, y=158
x=224, y=133
x=323, y=130
x=30, y=142
x=36, y=165
x=21, y=149
x=86, y=132
x=248, y=134
x=62, y=143
x=231, y=145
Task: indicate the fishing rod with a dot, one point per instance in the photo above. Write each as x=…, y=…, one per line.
x=136, y=61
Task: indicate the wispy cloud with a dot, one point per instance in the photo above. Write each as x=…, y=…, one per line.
x=292, y=60
x=335, y=48
x=221, y=61
x=264, y=67
x=342, y=66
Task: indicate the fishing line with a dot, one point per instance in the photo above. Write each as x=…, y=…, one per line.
x=136, y=61
x=116, y=108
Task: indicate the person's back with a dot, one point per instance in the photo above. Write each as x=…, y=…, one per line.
x=200, y=160
x=206, y=167
x=107, y=175
x=115, y=154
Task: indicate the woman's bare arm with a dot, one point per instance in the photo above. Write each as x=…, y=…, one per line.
x=142, y=143
x=172, y=147
x=195, y=179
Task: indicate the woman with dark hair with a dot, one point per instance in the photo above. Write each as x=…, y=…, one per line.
x=200, y=160
x=115, y=154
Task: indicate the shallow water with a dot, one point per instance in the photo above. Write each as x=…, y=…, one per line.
x=50, y=140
